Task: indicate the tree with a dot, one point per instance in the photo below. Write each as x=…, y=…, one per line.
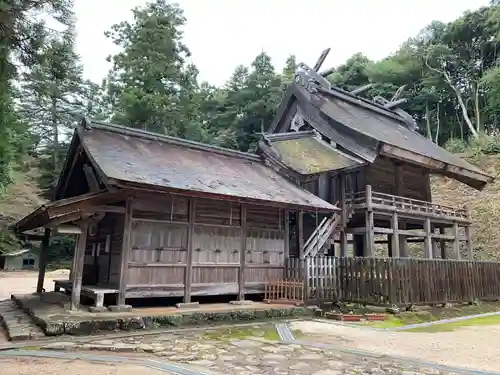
x=151, y=86
x=21, y=37
x=52, y=93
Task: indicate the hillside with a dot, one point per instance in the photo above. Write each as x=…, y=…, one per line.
x=23, y=196
x=484, y=205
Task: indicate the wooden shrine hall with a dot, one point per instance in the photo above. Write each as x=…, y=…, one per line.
x=158, y=216
x=367, y=156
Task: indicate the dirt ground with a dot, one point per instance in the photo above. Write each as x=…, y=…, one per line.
x=473, y=347
x=24, y=282
x=30, y=366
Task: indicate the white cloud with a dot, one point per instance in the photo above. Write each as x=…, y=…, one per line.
x=224, y=33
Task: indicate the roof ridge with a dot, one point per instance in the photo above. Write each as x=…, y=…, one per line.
x=362, y=102
x=144, y=134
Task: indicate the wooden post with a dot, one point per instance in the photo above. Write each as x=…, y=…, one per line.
x=468, y=238
x=456, y=240
x=188, y=273
x=125, y=255
x=78, y=271
x=428, y=239
x=343, y=213
x=300, y=233
x=73, y=265
x=369, y=236
x=243, y=250
x=442, y=243
x=42, y=262
x=395, y=236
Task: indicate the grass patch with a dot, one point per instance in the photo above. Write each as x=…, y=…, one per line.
x=241, y=333
x=448, y=327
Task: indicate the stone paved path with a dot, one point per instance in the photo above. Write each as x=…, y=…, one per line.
x=250, y=351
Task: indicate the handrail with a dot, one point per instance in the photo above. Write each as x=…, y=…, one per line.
x=414, y=204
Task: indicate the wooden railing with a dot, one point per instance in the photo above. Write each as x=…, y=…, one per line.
x=386, y=281
x=284, y=291
x=382, y=200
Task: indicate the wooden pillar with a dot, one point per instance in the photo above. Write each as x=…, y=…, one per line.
x=42, y=262
x=468, y=239
x=369, y=235
x=442, y=243
x=456, y=241
x=78, y=271
x=395, y=236
x=125, y=253
x=188, y=272
x=300, y=233
x=243, y=249
x=343, y=213
x=77, y=238
x=428, y=239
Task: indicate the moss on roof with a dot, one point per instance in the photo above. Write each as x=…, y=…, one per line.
x=308, y=155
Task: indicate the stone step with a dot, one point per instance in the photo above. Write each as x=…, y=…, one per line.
x=17, y=324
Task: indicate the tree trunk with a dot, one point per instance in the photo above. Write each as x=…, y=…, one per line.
x=461, y=103
x=428, y=120
x=438, y=124
x=479, y=125
x=55, y=135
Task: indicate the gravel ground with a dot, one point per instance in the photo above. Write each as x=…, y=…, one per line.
x=24, y=282
x=26, y=366
x=471, y=347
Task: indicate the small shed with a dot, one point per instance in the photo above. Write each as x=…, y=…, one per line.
x=24, y=259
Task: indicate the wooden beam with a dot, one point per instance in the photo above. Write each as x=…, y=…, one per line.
x=78, y=267
x=369, y=226
x=395, y=236
x=42, y=262
x=243, y=251
x=456, y=239
x=75, y=251
x=67, y=218
x=468, y=239
x=300, y=233
x=287, y=234
x=343, y=213
x=188, y=273
x=428, y=239
x=125, y=253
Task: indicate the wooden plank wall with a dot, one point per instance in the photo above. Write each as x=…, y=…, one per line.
x=385, y=281
x=159, y=246
x=407, y=180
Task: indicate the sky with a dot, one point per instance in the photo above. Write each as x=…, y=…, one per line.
x=222, y=34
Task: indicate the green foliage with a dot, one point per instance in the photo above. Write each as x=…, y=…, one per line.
x=456, y=145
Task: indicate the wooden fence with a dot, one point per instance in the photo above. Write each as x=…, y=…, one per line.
x=285, y=291
x=386, y=281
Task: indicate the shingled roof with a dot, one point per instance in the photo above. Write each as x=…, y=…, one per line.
x=367, y=130
x=126, y=157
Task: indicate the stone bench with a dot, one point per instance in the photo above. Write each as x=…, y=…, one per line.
x=96, y=293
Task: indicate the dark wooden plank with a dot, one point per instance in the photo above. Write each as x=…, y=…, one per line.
x=188, y=275
x=243, y=251
x=125, y=251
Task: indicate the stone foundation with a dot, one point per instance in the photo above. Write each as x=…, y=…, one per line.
x=54, y=320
